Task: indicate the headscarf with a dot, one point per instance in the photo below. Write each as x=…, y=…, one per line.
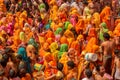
x=22, y=36
x=63, y=40
x=104, y=15
x=47, y=26
x=43, y=49
x=104, y=29
x=54, y=51
x=48, y=57
x=95, y=48
x=23, y=14
x=117, y=27
x=69, y=34
x=75, y=45
x=96, y=19
x=80, y=25
x=66, y=24
x=22, y=52
x=50, y=40
x=80, y=37
x=53, y=47
x=10, y=29
x=58, y=31
x=49, y=34
x=41, y=6
x=117, y=30
x=1, y=36
x=92, y=41
x=63, y=48
x=33, y=42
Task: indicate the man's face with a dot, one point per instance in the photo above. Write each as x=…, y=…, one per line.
x=102, y=70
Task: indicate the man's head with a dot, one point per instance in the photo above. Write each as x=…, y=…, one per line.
x=71, y=64
x=60, y=66
x=100, y=69
x=12, y=73
x=117, y=53
x=88, y=73
x=106, y=36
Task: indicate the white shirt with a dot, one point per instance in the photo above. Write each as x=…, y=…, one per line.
x=88, y=78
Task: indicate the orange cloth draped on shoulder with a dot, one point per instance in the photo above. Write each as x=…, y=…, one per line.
x=80, y=39
x=95, y=48
x=41, y=40
x=86, y=22
x=75, y=45
x=50, y=34
x=64, y=60
x=54, y=25
x=22, y=19
x=53, y=49
x=29, y=35
x=2, y=6
x=105, y=15
x=89, y=47
x=117, y=27
x=70, y=36
x=49, y=40
x=30, y=21
x=43, y=49
x=1, y=1
x=80, y=25
x=92, y=33
x=63, y=40
x=16, y=40
x=96, y=19
x=49, y=63
x=117, y=21
x=27, y=77
x=117, y=30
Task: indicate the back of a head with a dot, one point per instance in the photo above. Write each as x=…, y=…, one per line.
x=85, y=2
x=71, y=64
x=106, y=36
x=98, y=67
x=60, y=66
x=19, y=57
x=88, y=73
x=12, y=73
x=22, y=72
x=117, y=53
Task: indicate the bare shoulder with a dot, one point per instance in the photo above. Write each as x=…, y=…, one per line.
x=103, y=43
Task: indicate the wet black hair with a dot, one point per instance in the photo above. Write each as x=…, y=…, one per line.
x=22, y=72
x=5, y=57
x=71, y=64
x=106, y=36
x=19, y=57
x=98, y=67
x=85, y=2
x=9, y=50
x=88, y=73
x=3, y=62
x=116, y=51
x=59, y=66
x=12, y=73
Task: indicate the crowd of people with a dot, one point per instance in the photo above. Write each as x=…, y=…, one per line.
x=59, y=40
